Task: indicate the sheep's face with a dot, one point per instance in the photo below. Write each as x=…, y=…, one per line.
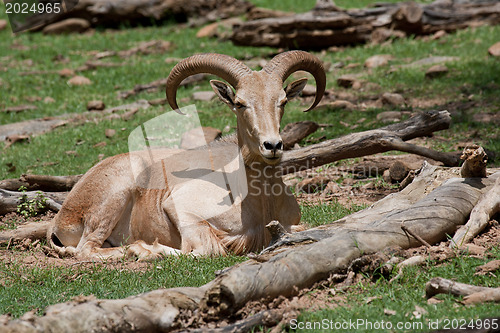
x=259, y=104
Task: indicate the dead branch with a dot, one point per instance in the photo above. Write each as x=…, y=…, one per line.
x=294, y=132
x=371, y=142
x=10, y=200
x=481, y=214
x=486, y=296
x=472, y=294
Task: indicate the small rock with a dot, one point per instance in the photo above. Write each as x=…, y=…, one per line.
x=208, y=30
x=67, y=26
x=95, y=105
x=386, y=176
x=398, y=171
x=219, y=29
x=347, y=80
x=357, y=85
x=352, y=65
x=109, y=132
x=473, y=249
x=48, y=100
x=494, y=50
x=432, y=61
x=65, y=72
x=378, y=60
x=199, y=136
x=100, y=144
x=338, y=104
x=71, y=152
x=332, y=187
x=436, y=71
x=393, y=99
x=388, y=312
x=258, y=13
x=203, y=95
x=309, y=90
x=489, y=267
x=439, y=34
x=79, y=81
x=312, y=185
x=3, y=24
x=157, y=101
x=389, y=116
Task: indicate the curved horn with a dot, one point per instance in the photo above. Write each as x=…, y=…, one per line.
x=286, y=63
x=226, y=67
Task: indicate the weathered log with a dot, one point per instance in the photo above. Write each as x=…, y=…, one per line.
x=329, y=26
x=473, y=294
x=384, y=139
x=41, y=183
x=10, y=200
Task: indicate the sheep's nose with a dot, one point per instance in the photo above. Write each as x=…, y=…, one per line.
x=273, y=146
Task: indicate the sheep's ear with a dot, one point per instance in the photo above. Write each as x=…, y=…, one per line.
x=295, y=88
x=224, y=91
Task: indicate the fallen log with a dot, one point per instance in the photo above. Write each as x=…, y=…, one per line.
x=41, y=183
x=10, y=200
x=330, y=26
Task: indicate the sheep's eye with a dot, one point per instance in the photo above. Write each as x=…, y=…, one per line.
x=239, y=105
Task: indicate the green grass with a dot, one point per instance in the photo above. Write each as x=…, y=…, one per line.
x=473, y=76
x=25, y=288
x=315, y=215
x=402, y=296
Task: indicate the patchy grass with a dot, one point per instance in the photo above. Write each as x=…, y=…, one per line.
x=26, y=287
x=368, y=302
